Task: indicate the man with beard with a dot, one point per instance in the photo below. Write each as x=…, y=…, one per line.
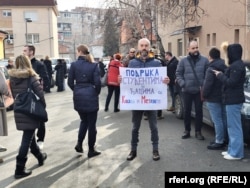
x=190, y=75
x=142, y=60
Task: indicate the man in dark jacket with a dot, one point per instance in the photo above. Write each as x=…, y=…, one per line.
x=29, y=50
x=171, y=64
x=193, y=64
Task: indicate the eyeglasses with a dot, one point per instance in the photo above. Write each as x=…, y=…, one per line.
x=132, y=52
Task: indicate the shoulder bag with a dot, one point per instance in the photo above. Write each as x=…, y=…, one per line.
x=201, y=89
x=29, y=103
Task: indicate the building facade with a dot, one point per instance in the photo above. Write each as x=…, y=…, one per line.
x=29, y=22
x=215, y=22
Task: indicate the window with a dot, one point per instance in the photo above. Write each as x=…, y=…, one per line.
x=170, y=46
x=208, y=40
x=236, y=35
x=214, y=39
x=6, y=13
x=179, y=45
x=33, y=38
x=31, y=15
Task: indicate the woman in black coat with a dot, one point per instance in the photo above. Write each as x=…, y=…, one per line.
x=61, y=71
x=19, y=77
x=84, y=80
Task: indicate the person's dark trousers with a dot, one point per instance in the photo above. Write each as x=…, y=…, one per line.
x=188, y=100
x=172, y=92
x=41, y=132
x=88, y=123
x=112, y=89
x=159, y=113
x=28, y=141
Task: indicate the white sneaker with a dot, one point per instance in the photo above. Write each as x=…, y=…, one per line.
x=229, y=157
x=40, y=145
x=224, y=153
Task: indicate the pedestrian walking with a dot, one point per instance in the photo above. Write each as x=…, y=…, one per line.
x=84, y=80
x=29, y=50
x=19, y=78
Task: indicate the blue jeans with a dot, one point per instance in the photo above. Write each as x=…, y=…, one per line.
x=136, y=120
x=234, y=129
x=218, y=115
x=88, y=123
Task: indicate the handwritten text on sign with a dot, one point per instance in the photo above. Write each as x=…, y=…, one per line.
x=143, y=88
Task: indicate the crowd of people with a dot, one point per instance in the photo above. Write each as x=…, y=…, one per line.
x=217, y=81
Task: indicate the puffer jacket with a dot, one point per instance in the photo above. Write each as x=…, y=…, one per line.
x=113, y=72
x=18, y=84
x=185, y=76
x=212, y=88
x=137, y=62
x=85, y=82
x=234, y=77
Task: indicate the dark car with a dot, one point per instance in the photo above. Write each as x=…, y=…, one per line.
x=245, y=111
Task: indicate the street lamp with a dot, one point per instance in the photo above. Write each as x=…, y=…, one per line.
x=26, y=21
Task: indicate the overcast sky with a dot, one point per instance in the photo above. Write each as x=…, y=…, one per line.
x=71, y=4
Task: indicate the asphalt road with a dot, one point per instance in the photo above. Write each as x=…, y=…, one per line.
x=65, y=168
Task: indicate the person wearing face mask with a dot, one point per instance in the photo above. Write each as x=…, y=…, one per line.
x=190, y=75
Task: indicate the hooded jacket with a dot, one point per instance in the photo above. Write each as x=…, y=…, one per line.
x=234, y=77
x=212, y=86
x=19, y=83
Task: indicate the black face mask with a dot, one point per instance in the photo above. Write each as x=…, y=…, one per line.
x=196, y=55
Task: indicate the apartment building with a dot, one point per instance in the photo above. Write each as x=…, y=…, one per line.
x=216, y=21
x=81, y=25
x=29, y=22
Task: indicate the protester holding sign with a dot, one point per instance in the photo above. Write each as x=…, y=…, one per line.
x=144, y=59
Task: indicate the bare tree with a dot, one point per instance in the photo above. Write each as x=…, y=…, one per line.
x=156, y=12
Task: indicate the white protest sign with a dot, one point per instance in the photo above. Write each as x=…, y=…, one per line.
x=143, y=88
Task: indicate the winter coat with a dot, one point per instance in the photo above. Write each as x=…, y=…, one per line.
x=3, y=117
x=171, y=69
x=42, y=72
x=113, y=72
x=185, y=76
x=234, y=77
x=61, y=71
x=85, y=82
x=212, y=88
x=139, y=63
x=48, y=65
x=19, y=83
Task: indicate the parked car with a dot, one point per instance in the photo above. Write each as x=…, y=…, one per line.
x=245, y=111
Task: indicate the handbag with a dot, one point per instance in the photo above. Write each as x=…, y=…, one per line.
x=29, y=103
x=201, y=89
x=104, y=79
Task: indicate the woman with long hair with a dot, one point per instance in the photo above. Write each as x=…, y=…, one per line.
x=84, y=80
x=20, y=76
